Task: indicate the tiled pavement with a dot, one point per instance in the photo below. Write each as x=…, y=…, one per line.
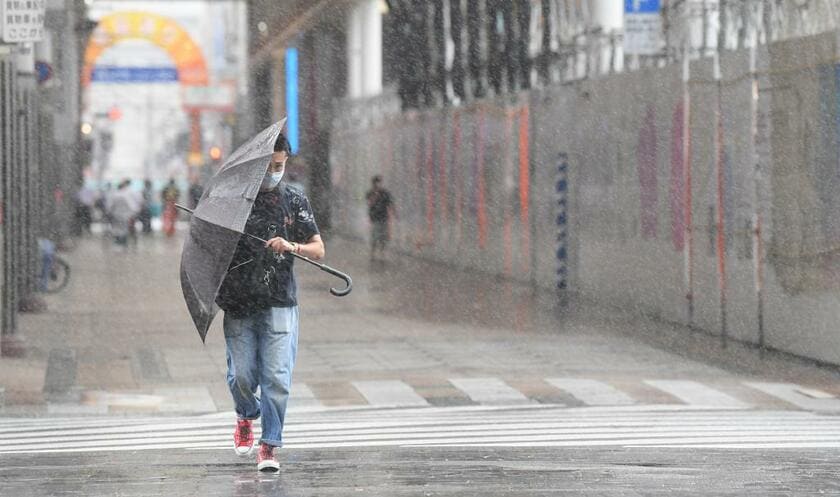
x=118, y=340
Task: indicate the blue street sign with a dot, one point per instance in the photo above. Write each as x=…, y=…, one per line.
x=292, y=119
x=117, y=74
x=43, y=71
x=641, y=6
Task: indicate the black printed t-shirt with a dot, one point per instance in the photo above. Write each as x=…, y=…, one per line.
x=257, y=277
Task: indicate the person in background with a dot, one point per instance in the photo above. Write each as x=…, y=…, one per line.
x=170, y=196
x=380, y=211
x=101, y=204
x=145, y=215
x=85, y=200
x=195, y=192
x=123, y=207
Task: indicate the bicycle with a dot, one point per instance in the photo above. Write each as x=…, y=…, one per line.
x=54, y=272
x=59, y=275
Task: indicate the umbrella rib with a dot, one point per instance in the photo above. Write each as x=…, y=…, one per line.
x=241, y=162
x=241, y=264
x=189, y=282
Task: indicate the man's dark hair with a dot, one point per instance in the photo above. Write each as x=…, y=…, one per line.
x=281, y=144
x=376, y=179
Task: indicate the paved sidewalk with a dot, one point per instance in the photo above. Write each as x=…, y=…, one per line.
x=119, y=340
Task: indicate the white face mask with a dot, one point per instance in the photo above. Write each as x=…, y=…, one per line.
x=271, y=180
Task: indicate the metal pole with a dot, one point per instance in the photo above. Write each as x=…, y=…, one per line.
x=688, y=272
x=721, y=235
x=545, y=54
x=10, y=345
x=757, y=242
x=19, y=197
x=704, y=43
x=476, y=47
x=30, y=177
x=7, y=306
x=150, y=150
x=439, y=50
x=456, y=29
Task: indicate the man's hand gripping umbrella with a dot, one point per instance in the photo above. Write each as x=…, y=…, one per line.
x=323, y=267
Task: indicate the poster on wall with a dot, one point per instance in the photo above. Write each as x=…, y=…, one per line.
x=22, y=20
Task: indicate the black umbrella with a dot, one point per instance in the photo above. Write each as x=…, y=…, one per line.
x=218, y=223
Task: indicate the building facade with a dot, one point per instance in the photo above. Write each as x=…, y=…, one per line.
x=41, y=154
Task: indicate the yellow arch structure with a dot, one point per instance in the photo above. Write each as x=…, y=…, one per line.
x=166, y=34
x=159, y=30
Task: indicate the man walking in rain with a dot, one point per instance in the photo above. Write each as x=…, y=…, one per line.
x=259, y=297
x=380, y=212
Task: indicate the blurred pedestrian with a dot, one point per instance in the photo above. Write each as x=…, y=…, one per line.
x=147, y=199
x=170, y=196
x=85, y=200
x=259, y=297
x=195, y=192
x=137, y=197
x=101, y=205
x=46, y=250
x=380, y=211
x=123, y=207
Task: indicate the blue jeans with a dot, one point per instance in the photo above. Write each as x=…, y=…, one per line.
x=261, y=351
x=47, y=251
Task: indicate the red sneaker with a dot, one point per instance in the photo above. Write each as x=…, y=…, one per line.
x=266, y=460
x=243, y=437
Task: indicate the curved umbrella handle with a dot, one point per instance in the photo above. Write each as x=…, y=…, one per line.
x=335, y=272
x=344, y=291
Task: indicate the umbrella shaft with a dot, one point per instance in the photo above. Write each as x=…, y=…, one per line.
x=320, y=266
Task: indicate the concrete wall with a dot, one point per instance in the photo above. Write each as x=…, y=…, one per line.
x=470, y=192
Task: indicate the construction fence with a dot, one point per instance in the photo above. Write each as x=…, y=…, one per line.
x=701, y=196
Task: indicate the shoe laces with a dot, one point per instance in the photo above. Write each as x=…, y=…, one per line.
x=244, y=427
x=266, y=451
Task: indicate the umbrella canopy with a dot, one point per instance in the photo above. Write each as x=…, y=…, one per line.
x=217, y=223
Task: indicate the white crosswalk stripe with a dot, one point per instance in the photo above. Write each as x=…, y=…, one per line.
x=489, y=390
x=592, y=392
x=529, y=425
x=805, y=398
x=389, y=393
x=695, y=393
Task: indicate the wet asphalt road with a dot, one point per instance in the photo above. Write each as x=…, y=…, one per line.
x=427, y=472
